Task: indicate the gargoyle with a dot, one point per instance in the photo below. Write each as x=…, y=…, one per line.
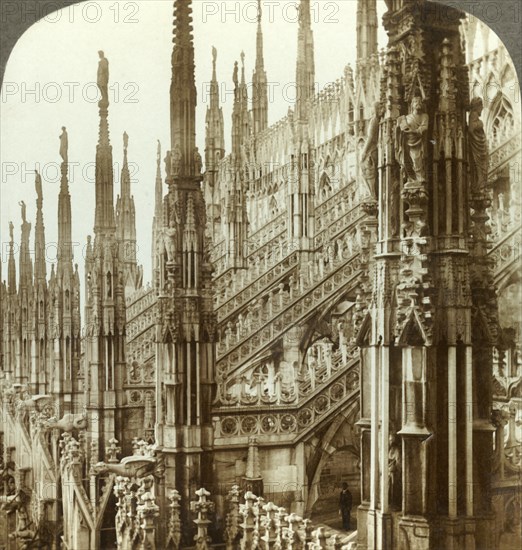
x=35, y=403
x=68, y=423
x=137, y=469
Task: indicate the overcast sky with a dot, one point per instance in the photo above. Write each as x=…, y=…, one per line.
x=50, y=82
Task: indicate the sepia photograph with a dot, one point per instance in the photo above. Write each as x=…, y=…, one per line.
x=260, y=278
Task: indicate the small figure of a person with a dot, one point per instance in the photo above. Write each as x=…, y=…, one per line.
x=345, y=506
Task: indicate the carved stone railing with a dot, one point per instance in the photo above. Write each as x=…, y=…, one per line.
x=267, y=390
x=255, y=523
x=261, y=240
x=503, y=154
x=505, y=215
x=253, y=285
x=267, y=233
x=141, y=330
x=288, y=421
x=247, y=285
x=507, y=252
x=140, y=314
x=270, y=240
x=288, y=309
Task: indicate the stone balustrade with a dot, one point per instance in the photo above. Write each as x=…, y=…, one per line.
x=255, y=523
x=270, y=240
x=287, y=420
x=339, y=237
x=255, y=388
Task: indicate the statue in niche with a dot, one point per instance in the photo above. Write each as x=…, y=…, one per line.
x=198, y=162
x=103, y=77
x=168, y=164
x=64, y=144
x=410, y=143
x=169, y=241
x=286, y=375
x=38, y=187
x=394, y=473
x=394, y=205
x=369, y=154
x=109, y=284
x=176, y=161
x=478, y=145
x=235, y=78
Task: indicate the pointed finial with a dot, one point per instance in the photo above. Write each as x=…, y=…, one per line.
x=259, y=11
x=11, y=232
x=125, y=140
x=158, y=152
x=234, y=76
x=214, y=55
x=242, y=68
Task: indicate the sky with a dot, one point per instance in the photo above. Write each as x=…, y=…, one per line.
x=50, y=82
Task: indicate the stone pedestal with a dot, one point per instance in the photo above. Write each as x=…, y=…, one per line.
x=415, y=532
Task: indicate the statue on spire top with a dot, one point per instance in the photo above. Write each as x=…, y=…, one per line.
x=38, y=187
x=64, y=144
x=24, y=210
x=235, y=78
x=103, y=77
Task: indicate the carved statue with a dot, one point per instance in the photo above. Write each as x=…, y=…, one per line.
x=168, y=164
x=64, y=144
x=394, y=472
x=169, y=241
x=198, y=162
x=24, y=211
x=478, y=145
x=369, y=156
x=38, y=187
x=410, y=145
x=175, y=161
x=103, y=76
x=235, y=78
